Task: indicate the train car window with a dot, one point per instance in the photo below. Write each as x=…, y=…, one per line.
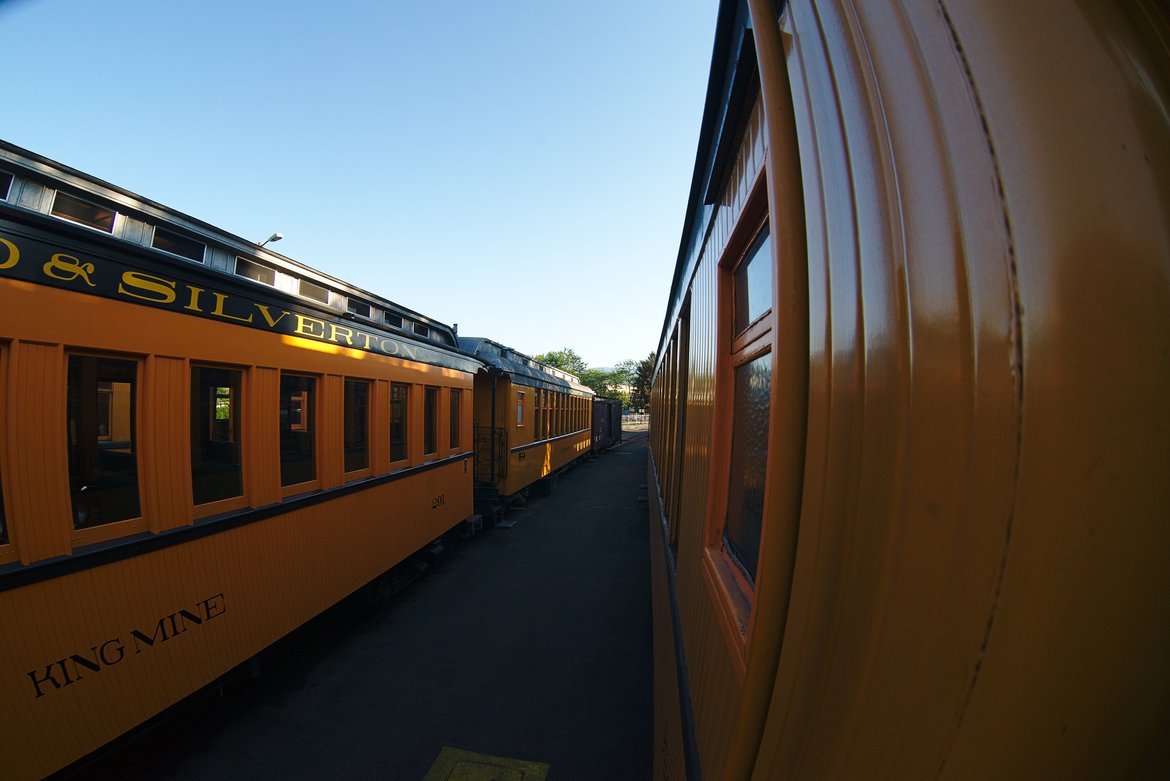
x=314, y=291
x=357, y=425
x=456, y=414
x=399, y=394
x=421, y=330
x=102, y=437
x=74, y=209
x=431, y=420
x=5, y=185
x=359, y=308
x=216, y=465
x=254, y=271
x=298, y=440
x=538, y=412
x=753, y=283
x=749, y=457
x=751, y=363
x=519, y=408
x=392, y=320
x=178, y=245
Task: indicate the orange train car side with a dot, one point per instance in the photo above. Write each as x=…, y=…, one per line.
x=198, y=455
x=909, y=424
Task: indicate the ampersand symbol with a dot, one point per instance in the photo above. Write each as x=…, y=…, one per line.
x=68, y=268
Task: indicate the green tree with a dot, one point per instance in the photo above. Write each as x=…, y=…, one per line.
x=640, y=386
x=566, y=359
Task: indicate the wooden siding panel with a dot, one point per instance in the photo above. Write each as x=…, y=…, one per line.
x=38, y=464
x=165, y=434
x=262, y=443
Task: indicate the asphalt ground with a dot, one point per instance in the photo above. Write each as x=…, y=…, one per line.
x=530, y=644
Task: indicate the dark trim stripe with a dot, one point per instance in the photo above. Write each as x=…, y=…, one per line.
x=686, y=706
x=518, y=448
x=17, y=575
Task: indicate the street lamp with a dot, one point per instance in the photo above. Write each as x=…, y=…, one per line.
x=273, y=237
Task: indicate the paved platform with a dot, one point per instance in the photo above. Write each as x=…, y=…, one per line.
x=526, y=650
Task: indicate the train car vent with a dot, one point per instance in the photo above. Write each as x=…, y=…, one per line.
x=315, y=292
x=177, y=245
x=254, y=271
x=68, y=207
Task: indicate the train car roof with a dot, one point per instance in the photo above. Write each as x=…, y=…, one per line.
x=221, y=251
x=733, y=68
x=521, y=368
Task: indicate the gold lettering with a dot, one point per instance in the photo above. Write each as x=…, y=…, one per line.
x=162, y=291
x=410, y=352
x=363, y=335
x=304, y=323
x=348, y=333
x=218, y=311
x=13, y=254
x=68, y=268
x=390, y=347
x=193, y=304
x=268, y=315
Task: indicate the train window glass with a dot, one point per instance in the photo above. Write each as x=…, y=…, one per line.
x=519, y=408
x=74, y=209
x=248, y=269
x=456, y=413
x=5, y=185
x=421, y=330
x=298, y=441
x=753, y=283
x=537, y=411
x=392, y=320
x=357, y=425
x=314, y=291
x=431, y=420
x=216, y=464
x=399, y=394
x=749, y=457
x=359, y=308
x=177, y=245
x=102, y=438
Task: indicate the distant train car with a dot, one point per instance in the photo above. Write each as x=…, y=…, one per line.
x=531, y=420
x=910, y=430
x=607, y=423
x=204, y=445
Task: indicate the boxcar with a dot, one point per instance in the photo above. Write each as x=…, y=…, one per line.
x=205, y=444
x=531, y=420
x=607, y=423
x=910, y=429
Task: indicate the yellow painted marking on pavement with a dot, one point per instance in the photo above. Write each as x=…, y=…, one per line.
x=457, y=765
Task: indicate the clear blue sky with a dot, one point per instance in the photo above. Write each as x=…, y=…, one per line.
x=520, y=168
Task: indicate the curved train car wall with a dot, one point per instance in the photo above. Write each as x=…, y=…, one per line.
x=531, y=420
x=205, y=444
x=910, y=431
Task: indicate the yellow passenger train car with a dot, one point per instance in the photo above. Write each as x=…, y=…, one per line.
x=204, y=445
x=531, y=420
x=910, y=431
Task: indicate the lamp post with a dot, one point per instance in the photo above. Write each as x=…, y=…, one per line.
x=273, y=237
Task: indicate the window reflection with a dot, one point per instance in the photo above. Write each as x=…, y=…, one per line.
x=101, y=431
x=749, y=458
x=216, y=465
x=297, y=429
x=357, y=425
